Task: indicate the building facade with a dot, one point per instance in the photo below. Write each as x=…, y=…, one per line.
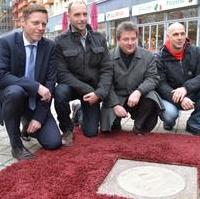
x=152, y=17
x=6, y=23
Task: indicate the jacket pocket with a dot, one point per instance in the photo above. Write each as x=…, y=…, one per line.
x=98, y=50
x=70, y=53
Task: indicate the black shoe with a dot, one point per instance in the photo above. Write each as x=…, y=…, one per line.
x=136, y=131
x=192, y=130
x=21, y=153
x=117, y=124
x=67, y=138
x=25, y=136
x=168, y=127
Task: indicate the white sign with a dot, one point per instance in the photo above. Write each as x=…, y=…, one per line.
x=117, y=14
x=58, y=27
x=160, y=5
x=101, y=17
x=145, y=8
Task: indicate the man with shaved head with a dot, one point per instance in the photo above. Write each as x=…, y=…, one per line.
x=179, y=69
x=84, y=72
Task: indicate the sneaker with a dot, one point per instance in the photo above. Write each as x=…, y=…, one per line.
x=67, y=138
x=168, y=127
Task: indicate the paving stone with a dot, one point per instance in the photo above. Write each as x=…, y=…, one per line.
x=144, y=180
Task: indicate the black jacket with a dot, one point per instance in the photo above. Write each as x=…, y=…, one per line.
x=174, y=73
x=85, y=70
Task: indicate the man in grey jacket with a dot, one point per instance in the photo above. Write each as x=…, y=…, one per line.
x=134, y=80
x=84, y=72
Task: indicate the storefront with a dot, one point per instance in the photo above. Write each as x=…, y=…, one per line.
x=152, y=17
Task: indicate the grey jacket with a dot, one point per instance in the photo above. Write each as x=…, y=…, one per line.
x=141, y=75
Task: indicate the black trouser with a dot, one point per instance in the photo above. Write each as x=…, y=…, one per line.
x=91, y=113
x=144, y=114
x=14, y=102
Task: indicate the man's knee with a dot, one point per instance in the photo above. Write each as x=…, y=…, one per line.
x=171, y=112
x=13, y=101
x=62, y=92
x=54, y=144
x=90, y=132
x=15, y=93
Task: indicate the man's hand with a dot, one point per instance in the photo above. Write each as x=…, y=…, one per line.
x=120, y=111
x=179, y=94
x=44, y=93
x=134, y=98
x=91, y=98
x=187, y=103
x=33, y=126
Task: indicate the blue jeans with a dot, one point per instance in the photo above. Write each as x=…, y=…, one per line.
x=171, y=113
x=91, y=113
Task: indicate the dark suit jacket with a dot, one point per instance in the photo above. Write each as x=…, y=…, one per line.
x=12, y=68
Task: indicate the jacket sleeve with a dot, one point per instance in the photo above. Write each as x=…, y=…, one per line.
x=65, y=76
x=151, y=77
x=164, y=89
x=43, y=108
x=193, y=84
x=7, y=78
x=106, y=74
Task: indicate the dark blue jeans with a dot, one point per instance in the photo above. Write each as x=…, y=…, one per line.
x=91, y=113
x=14, y=100
x=194, y=119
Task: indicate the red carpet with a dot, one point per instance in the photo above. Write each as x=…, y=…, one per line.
x=76, y=172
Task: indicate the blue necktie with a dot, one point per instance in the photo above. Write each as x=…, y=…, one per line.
x=31, y=74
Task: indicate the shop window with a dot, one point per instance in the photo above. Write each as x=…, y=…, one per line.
x=180, y=14
x=160, y=38
x=192, y=31
x=150, y=18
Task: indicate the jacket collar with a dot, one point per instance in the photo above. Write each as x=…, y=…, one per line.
x=22, y=53
x=77, y=34
x=137, y=53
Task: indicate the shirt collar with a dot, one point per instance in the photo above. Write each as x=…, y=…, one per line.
x=27, y=43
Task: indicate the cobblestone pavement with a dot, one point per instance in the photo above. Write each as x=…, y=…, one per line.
x=127, y=124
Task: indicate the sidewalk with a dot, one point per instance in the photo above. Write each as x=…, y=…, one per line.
x=127, y=124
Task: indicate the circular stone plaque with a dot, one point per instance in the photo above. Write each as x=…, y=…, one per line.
x=151, y=181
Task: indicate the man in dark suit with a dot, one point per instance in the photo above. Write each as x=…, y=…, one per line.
x=27, y=79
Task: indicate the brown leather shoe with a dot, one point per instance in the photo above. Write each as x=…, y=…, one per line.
x=67, y=138
x=21, y=153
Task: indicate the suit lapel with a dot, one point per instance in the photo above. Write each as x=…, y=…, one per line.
x=20, y=53
x=39, y=58
x=137, y=56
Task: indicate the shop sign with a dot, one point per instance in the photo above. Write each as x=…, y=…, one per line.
x=145, y=8
x=160, y=5
x=171, y=4
x=58, y=27
x=117, y=14
x=101, y=17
